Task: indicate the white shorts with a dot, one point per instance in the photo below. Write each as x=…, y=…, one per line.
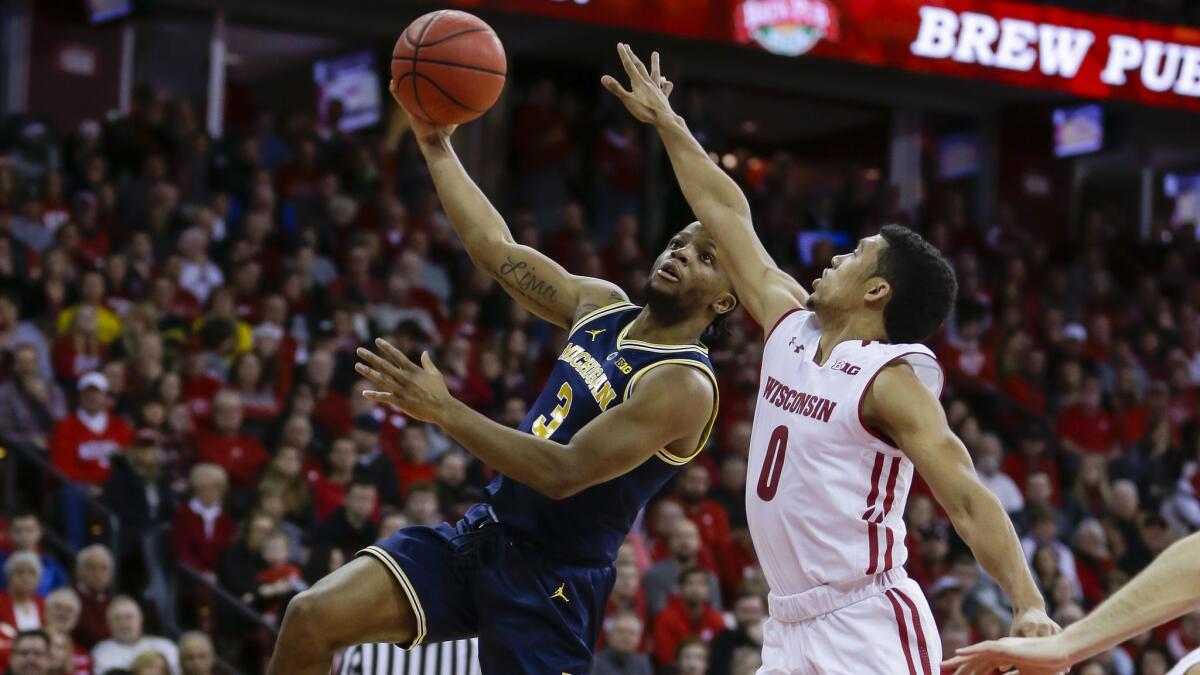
x=889, y=632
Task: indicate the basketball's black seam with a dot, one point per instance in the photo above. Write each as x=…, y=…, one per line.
x=416, y=52
x=450, y=36
x=452, y=64
x=443, y=92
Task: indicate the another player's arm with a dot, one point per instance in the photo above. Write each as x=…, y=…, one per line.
x=1168, y=588
x=898, y=405
x=541, y=285
x=671, y=405
x=766, y=291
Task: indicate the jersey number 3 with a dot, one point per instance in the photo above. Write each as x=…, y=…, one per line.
x=768, y=479
x=542, y=427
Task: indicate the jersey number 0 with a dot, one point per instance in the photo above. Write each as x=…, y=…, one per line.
x=542, y=427
x=768, y=479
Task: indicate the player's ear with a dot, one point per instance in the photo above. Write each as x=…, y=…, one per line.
x=878, y=290
x=725, y=304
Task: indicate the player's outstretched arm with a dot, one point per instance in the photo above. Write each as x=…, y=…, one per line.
x=765, y=291
x=898, y=405
x=671, y=406
x=1168, y=588
x=541, y=285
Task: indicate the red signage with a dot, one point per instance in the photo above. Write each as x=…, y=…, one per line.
x=786, y=27
x=1086, y=55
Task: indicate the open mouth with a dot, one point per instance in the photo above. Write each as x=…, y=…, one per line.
x=669, y=272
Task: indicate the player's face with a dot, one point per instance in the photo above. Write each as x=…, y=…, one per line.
x=688, y=275
x=848, y=279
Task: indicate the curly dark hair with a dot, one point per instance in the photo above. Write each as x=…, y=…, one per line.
x=923, y=285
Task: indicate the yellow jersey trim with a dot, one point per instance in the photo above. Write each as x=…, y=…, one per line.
x=599, y=312
x=663, y=454
x=625, y=343
x=409, y=590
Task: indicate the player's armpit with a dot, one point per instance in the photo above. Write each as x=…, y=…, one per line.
x=670, y=408
x=900, y=407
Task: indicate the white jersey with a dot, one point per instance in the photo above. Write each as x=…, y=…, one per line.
x=825, y=495
x=1186, y=664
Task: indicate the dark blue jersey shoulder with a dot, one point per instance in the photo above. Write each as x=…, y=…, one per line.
x=597, y=370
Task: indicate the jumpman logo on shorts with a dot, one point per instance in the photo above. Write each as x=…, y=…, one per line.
x=595, y=333
x=559, y=593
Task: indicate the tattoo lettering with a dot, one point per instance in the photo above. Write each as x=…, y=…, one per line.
x=522, y=278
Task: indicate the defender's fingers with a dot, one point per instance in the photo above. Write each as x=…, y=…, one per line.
x=632, y=62
x=427, y=363
x=637, y=62
x=627, y=63
x=379, y=364
x=394, y=355
x=610, y=83
x=375, y=377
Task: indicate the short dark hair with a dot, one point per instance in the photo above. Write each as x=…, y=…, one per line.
x=24, y=512
x=32, y=633
x=923, y=285
x=361, y=477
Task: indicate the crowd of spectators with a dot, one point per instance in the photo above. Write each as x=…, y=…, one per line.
x=178, y=320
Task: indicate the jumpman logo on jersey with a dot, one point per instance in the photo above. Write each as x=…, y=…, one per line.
x=559, y=593
x=595, y=333
x=796, y=347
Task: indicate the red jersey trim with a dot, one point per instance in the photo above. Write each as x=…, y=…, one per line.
x=780, y=320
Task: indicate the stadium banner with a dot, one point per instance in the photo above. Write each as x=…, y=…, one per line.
x=1020, y=44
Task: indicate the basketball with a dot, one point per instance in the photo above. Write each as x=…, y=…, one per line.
x=449, y=67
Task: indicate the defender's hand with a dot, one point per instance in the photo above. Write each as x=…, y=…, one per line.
x=418, y=391
x=1028, y=656
x=647, y=98
x=424, y=131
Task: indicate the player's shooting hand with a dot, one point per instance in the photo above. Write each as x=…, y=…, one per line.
x=424, y=131
x=646, y=98
x=419, y=391
x=1027, y=656
x=1034, y=622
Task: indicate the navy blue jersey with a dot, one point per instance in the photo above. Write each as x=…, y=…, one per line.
x=598, y=369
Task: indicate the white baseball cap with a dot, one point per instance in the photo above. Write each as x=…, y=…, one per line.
x=94, y=379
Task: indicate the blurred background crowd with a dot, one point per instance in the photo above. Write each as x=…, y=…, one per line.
x=185, y=446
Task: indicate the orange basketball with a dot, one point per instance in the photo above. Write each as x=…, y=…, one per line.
x=449, y=67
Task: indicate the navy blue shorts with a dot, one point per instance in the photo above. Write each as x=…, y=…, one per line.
x=532, y=614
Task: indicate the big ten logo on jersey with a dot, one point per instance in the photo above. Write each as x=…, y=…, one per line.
x=847, y=367
x=622, y=364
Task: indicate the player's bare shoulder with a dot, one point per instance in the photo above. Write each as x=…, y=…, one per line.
x=908, y=385
x=596, y=294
